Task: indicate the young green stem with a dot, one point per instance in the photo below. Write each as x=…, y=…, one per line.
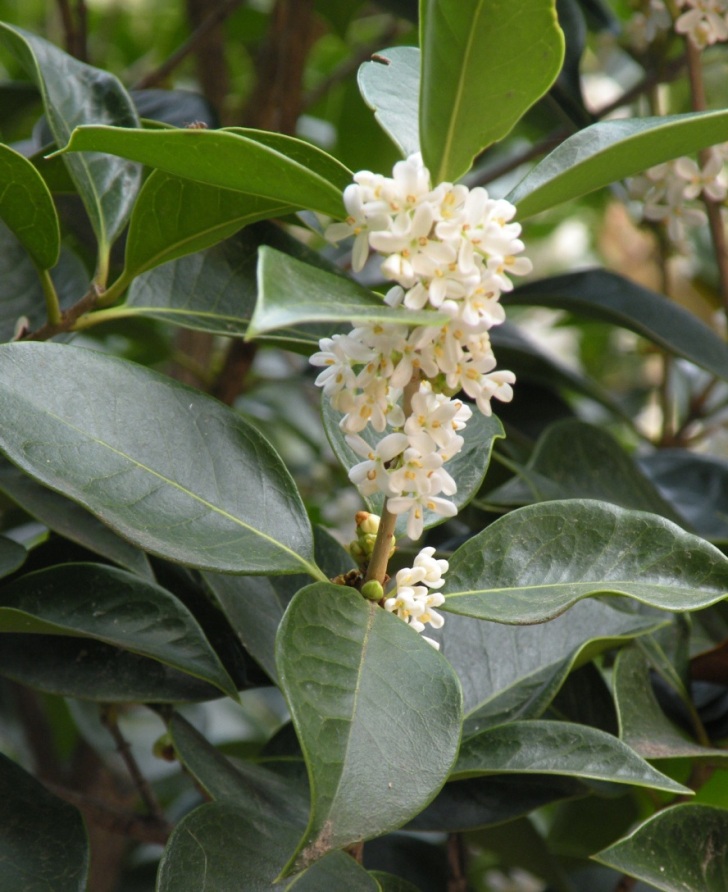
x=53, y=307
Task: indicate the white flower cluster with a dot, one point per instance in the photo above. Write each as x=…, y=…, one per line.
x=413, y=599
x=669, y=191
x=449, y=249
x=649, y=24
x=704, y=22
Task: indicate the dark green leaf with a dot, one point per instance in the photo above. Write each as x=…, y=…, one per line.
x=680, y=849
x=27, y=208
x=577, y=460
x=644, y=726
x=70, y=520
x=363, y=690
x=248, y=786
x=338, y=870
x=174, y=216
x=112, y=606
x=483, y=65
x=22, y=293
x=90, y=670
x=43, y=844
x=611, y=150
x=219, y=158
x=512, y=672
x=608, y=297
x=484, y=801
x=538, y=561
x=697, y=485
x=225, y=849
x=291, y=292
x=390, y=85
x=12, y=556
x=467, y=468
x=214, y=496
x=544, y=747
x=75, y=93
x=390, y=883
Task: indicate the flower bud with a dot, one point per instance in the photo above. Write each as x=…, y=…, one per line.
x=366, y=523
x=372, y=590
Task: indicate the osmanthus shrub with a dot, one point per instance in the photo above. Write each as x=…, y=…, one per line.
x=572, y=595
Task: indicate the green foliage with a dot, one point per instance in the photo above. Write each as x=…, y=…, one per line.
x=170, y=557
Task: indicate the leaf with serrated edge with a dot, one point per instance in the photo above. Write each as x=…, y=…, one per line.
x=43, y=844
x=291, y=292
x=112, y=606
x=607, y=297
x=390, y=85
x=546, y=747
x=680, y=849
x=27, y=208
x=484, y=64
x=363, y=690
x=75, y=93
x=536, y=562
x=170, y=469
x=611, y=150
x=219, y=158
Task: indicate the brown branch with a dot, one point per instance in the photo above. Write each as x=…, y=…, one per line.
x=625, y=884
x=457, y=880
x=189, y=46
x=142, y=828
x=211, y=64
x=68, y=318
x=109, y=717
x=712, y=208
x=82, y=30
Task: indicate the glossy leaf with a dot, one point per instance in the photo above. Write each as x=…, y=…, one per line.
x=612, y=150
x=22, y=295
x=643, y=725
x=467, y=468
x=486, y=801
x=219, y=158
x=75, y=93
x=112, y=606
x=216, y=290
x=91, y=670
x=608, y=297
x=514, y=672
x=12, y=556
x=391, y=692
x=388, y=882
x=390, y=86
x=483, y=65
x=216, y=496
x=248, y=786
x=43, y=843
x=546, y=747
x=291, y=292
x=697, y=485
x=538, y=561
x=27, y=208
x=680, y=849
x=174, y=216
x=70, y=520
x=574, y=459
x=337, y=870
x=222, y=847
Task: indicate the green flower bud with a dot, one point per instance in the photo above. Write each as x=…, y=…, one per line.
x=372, y=590
x=366, y=524
x=164, y=748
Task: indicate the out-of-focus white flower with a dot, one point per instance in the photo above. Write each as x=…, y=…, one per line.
x=705, y=22
x=710, y=180
x=645, y=27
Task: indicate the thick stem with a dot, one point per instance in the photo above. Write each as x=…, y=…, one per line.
x=53, y=307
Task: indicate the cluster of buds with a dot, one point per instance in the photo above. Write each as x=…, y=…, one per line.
x=361, y=548
x=669, y=191
x=449, y=250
